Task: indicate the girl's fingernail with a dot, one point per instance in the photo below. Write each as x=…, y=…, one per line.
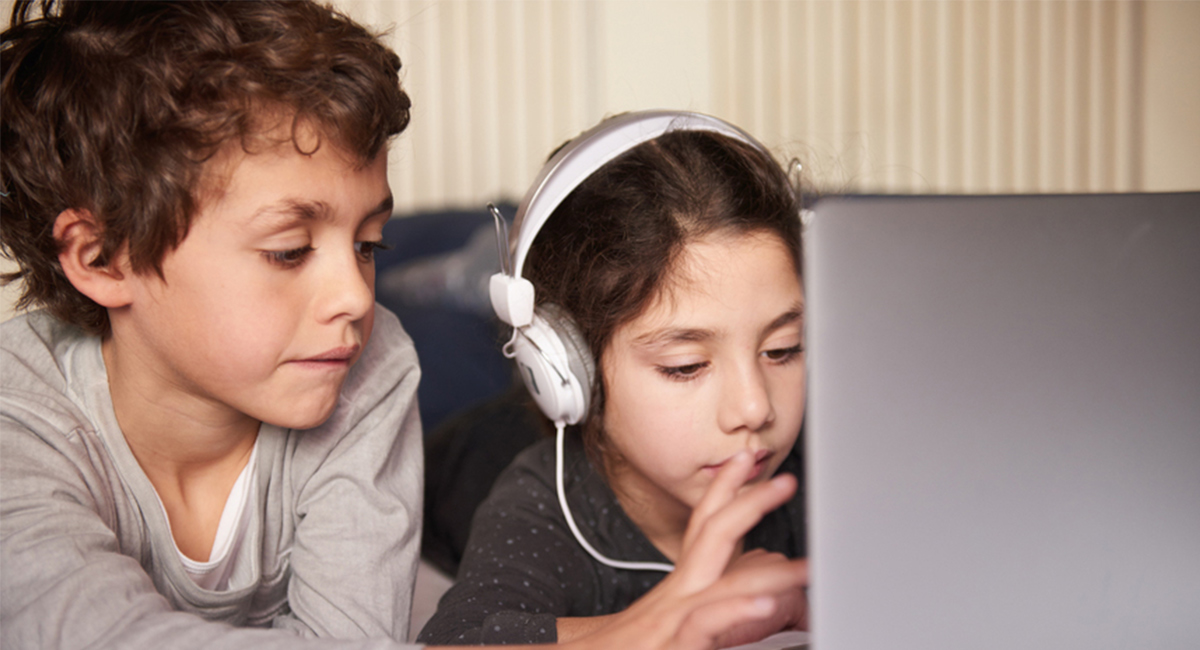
x=763, y=605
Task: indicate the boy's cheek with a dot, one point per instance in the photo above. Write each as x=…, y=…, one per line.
x=368, y=327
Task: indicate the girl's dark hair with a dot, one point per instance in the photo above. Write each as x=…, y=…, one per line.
x=606, y=251
x=114, y=107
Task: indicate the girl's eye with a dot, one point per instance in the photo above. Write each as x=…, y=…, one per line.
x=366, y=249
x=784, y=355
x=683, y=373
x=290, y=258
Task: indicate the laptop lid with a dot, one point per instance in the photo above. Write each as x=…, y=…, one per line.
x=1004, y=422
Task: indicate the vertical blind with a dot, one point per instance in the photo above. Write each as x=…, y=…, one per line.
x=906, y=96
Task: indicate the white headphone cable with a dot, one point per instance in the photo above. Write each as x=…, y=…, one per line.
x=562, y=501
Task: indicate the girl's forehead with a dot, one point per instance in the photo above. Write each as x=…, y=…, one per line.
x=721, y=269
x=704, y=262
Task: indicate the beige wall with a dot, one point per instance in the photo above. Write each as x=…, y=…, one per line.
x=839, y=83
x=1172, y=96
x=899, y=96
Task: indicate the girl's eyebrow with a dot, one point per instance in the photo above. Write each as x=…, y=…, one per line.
x=659, y=338
x=793, y=315
x=662, y=337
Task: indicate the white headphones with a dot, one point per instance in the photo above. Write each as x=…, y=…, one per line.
x=551, y=354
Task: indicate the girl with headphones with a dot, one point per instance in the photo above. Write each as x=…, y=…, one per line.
x=658, y=317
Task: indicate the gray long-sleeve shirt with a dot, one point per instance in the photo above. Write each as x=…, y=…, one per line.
x=86, y=554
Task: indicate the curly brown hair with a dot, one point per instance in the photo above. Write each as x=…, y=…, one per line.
x=608, y=249
x=115, y=107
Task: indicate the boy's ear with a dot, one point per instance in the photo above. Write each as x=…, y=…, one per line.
x=79, y=244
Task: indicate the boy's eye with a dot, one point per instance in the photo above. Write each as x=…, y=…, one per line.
x=288, y=258
x=366, y=249
x=683, y=373
x=783, y=355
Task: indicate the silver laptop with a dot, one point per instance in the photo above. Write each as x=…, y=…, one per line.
x=1004, y=422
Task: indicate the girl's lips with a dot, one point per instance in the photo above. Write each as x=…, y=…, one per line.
x=760, y=463
x=761, y=458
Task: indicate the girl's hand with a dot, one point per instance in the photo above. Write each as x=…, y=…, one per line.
x=791, y=611
x=708, y=597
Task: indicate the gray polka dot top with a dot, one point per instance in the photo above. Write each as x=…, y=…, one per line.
x=522, y=568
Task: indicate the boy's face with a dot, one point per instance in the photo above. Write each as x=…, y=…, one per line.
x=270, y=298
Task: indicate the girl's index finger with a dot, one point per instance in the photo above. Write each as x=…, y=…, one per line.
x=715, y=539
x=724, y=488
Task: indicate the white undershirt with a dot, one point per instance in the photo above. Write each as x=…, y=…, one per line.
x=235, y=519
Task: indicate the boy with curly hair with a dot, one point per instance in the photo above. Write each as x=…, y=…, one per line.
x=209, y=427
x=208, y=415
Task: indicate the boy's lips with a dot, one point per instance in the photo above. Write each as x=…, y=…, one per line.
x=335, y=357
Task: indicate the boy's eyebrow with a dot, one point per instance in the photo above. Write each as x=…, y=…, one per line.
x=662, y=337
x=385, y=205
x=290, y=210
x=299, y=210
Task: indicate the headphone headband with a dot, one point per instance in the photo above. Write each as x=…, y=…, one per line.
x=594, y=148
x=512, y=296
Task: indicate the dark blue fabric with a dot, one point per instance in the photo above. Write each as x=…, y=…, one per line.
x=459, y=350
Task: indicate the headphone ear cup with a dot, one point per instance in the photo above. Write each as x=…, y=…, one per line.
x=579, y=353
x=556, y=364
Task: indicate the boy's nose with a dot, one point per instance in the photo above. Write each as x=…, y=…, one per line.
x=348, y=291
x=745, y=403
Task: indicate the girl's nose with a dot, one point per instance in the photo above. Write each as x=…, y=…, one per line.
x=745, y=403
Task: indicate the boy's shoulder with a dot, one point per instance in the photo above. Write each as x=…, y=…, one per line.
x=39, y=353
x=35, y=325
x=50, y=377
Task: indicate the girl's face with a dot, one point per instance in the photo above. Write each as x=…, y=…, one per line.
x=714, y=366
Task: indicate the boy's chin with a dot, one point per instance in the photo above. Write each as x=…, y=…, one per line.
x=301, y=419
